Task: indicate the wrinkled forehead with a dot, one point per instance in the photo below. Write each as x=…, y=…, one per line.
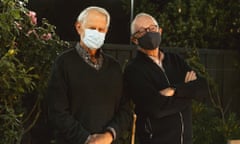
x=143, y=22
x=95, y=19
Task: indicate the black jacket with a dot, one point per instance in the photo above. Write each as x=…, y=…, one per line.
x=83, y=100
x=143, y=79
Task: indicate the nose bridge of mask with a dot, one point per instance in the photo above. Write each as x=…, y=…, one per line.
x=150, y=40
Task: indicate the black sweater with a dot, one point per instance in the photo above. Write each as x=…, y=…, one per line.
x=83, y=100
x=143, y=79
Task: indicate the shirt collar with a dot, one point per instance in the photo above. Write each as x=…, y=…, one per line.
x=87, y=58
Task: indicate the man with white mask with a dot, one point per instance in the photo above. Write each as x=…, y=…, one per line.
x=85, y=99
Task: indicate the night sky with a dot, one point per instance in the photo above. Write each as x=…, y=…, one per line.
x=63, y=14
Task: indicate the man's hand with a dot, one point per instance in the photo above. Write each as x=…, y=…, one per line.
x=167, y=91
x=190, y=76
x=104, y=138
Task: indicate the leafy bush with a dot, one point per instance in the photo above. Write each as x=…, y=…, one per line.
x=26, y=54
x=209, y=128
x=211, y=24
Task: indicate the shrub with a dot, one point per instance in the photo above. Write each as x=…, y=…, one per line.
x=27, y=51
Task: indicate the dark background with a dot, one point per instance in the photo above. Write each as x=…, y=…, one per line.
x=63, y=14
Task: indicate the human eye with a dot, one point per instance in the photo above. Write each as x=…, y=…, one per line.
x=92, y=28
x=139, y=33
x=153, y=28
x=142, y=30
x=102, y=30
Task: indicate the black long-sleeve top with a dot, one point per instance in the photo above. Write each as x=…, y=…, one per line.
x=83, y=100
x=143, y=80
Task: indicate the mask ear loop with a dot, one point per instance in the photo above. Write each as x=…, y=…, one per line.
x=159, y=30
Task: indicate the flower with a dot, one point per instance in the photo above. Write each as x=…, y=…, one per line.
x=47, y=36
x=33, y=18
x=27, y=50
x=32, y=32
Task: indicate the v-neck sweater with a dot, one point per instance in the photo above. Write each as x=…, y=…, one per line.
x=83, y=100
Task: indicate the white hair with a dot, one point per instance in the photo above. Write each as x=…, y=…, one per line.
x=133, y=24
x=82, y=16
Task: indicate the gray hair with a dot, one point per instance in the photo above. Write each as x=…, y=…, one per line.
x=133, y=24
x=82, y=16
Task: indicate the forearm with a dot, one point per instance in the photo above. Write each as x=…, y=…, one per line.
x=190, y=89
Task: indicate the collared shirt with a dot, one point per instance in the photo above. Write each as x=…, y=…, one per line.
x=87, y=58
x=157, y=61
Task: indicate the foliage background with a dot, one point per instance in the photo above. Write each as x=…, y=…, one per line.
x=27, y=50
x=211, y=24
x=26, y=54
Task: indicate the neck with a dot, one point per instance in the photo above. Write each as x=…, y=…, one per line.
x=155, y=53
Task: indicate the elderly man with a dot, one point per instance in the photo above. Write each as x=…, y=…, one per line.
x=85, y=99
x=161, y=85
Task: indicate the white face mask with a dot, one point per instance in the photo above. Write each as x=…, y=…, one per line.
x=93, y=39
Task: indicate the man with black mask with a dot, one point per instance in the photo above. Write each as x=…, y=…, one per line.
x=161, y=85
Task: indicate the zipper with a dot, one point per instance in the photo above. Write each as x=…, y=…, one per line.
x=182, y=128
x=180, y=113
x=165, y=75
x=148, y=127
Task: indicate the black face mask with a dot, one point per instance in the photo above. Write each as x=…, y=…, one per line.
x=150, y=40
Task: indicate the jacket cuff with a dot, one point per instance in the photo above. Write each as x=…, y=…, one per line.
x=112, y=131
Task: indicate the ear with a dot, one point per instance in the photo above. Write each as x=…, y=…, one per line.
x=134, y=40
x=160, y=31
x=78, y=27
